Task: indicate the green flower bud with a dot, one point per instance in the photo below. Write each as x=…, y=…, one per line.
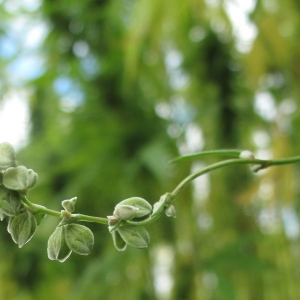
x=164, y=201
x=125, y=212
x=158, y=208
x=79, y=238
x=135, y=236
x=170, y=211
x=69, y=205
x=19, y=178
x=57, y=247
x=144, y=208
x=32, y=178
x=7, y=156
x=22, y=228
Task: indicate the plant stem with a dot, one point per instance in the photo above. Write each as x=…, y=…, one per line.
x=144, y=222
x=85, y=218
x=40, y=209
x=262, y=164
x=74, y=217
x=231, y=153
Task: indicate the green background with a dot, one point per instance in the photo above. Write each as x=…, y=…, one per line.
x=125, y=86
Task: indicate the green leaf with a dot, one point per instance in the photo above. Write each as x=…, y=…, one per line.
x=7, y=156
x=2, y=216
x=14, y=199
x=10, y=201
x=144, y=207
x=16, y=178
x=57, y=248
x=22, y=228
x=7, y=209
x=158, y=208
x=134, y=236
x=39, y=217
x=119, y=243
x=79, y=239
x=3, y=192
x=9, y=224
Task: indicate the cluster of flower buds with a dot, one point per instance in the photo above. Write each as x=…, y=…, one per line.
x=14, y=183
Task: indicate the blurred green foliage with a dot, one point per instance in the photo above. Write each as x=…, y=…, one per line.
x=127, y=85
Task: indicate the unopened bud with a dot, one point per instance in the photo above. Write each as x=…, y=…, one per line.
x=170, y=211
x=142, y=207
x=69, y=205
x=125, y=212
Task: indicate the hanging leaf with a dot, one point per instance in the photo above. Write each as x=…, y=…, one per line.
x=2, y=216
x=39, y=217
x=57, y=248
x=135, y=236
x=7, y=209
x=10, y=201
x=14, y=199
x=22, y=228
x=79, y=238
x=119, y=243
